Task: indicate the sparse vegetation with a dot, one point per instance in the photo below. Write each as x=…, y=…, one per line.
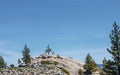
x=65, y=71
x=2, y=62
x=49, y=62
x=19, y=62
x=56, y=63
x=58, y=56
x=80, y=72
x=90, y=65
x=48, y=50
x=43, y=57
x=26, y=55
x=45, y=62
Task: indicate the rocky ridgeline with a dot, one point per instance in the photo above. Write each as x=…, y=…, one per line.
x=30, y=71
x=47, y=65
x=66, y=64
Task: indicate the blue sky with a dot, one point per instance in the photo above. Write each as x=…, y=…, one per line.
x=72, y=28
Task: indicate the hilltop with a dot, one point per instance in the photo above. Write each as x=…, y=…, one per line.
x=60, y=62
x=47, y=65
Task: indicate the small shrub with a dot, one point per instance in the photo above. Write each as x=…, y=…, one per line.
x=70, y=57
x=45, y=62
x=43, y=57
x=56, y=63
x=80, y=72
x=21, y=65
x=59, y=57
x=12, y=66
x=65, y=71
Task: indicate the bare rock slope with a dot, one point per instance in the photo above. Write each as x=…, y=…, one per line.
x=69, y=64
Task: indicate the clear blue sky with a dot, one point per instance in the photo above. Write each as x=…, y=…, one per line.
x=72, y=28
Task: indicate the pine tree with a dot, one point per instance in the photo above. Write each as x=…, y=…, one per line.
x=115, y=47
x=108, y=68
x=48, y=50
x=2, y=62
x=19, y=61
x=90, y=64
x=26, y=55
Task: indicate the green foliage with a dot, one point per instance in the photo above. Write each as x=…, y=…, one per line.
x=65, y=71
x=90, y=63
x=26, y=55
x=115, y=41
x=2, y=62
x=80, y=72
x=114, y=49
x=48, y=50
x=108, y=68
x=47, y=62
x=103, y=72
x=56, y=63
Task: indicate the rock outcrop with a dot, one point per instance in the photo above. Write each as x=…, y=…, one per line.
x=69, y=64
x=47, y=65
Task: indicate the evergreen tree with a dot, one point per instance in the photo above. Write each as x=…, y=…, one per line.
x=48, y=50
x=115, y=47
x=90, y=64
x=19, y=61
x=108, y=68
x=2, y=62
x=26, y=55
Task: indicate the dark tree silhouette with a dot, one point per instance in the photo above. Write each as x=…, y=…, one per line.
x=90, y=64
x=2, y=62
x=26, y=55
x=114, y=50
x=48, y=50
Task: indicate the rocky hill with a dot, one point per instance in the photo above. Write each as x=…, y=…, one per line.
x=46, y=65
x=66, y=65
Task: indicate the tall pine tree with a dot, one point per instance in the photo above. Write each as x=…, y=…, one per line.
x=26, y=55
x=90, y=64
x=115, y=47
